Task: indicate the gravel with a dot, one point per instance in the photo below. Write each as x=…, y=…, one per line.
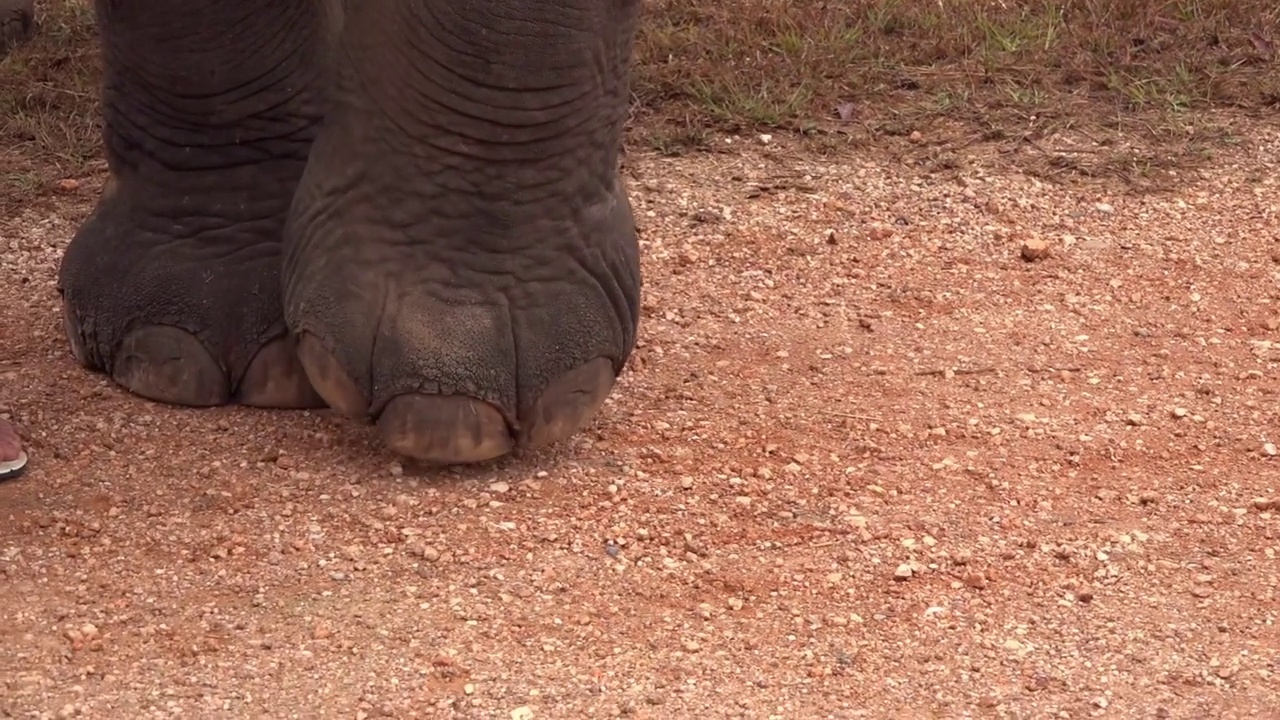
x=868, y=460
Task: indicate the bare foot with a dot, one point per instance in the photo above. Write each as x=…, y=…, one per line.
x=12, y=459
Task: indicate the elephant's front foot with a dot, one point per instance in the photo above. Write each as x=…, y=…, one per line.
x=463, y=345
x=172, y=286
x=182, y=306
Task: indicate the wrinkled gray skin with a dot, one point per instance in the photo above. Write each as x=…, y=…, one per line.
x=450, y=252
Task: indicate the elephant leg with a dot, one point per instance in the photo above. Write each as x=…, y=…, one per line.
x=461, y=259
x=172, y=285
x=17, y=23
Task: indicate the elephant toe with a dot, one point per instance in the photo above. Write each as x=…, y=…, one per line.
x=275, y=378
x=445, y=429
x=165, y=363
x=329, y=378
x=567, y=404
x=75, y=337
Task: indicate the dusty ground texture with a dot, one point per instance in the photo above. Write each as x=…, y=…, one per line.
x=868, y=462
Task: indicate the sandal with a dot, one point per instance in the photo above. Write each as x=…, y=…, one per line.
x=12, y=459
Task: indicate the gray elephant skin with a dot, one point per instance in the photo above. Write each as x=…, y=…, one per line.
x=17, y=22
x=407, y=210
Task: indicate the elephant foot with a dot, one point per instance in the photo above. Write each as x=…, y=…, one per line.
x=172, y=286
x=462, y=343
x=455, y=381
x=182, y=312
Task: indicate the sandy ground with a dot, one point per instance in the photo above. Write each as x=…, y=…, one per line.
x=868, y=462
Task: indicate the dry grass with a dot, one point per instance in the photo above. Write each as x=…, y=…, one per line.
x=1127, y=81
x=1132, y=78
x=49, y=119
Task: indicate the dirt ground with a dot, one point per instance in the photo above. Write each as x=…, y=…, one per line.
x=868, y=462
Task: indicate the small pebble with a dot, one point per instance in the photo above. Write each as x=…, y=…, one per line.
x=1035, y=249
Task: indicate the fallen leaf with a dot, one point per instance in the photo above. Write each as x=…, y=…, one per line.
x=1263, y=45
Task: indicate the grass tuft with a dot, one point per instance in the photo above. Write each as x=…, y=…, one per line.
x=1015, y=69
x=49, y=119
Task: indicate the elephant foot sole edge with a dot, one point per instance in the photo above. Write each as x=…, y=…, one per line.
x=457, y=429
